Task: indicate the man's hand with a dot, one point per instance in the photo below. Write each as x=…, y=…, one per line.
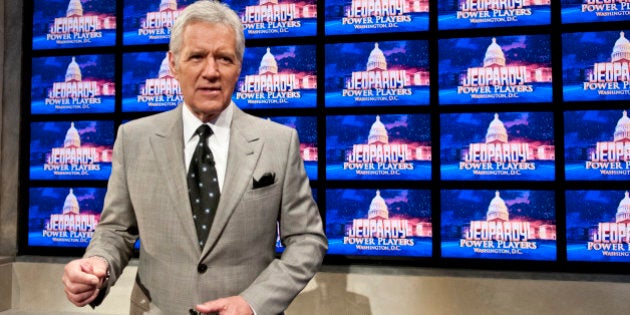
x=233, y=305
x=83, y=278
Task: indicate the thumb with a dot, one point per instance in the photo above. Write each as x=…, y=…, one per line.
x=99, y=269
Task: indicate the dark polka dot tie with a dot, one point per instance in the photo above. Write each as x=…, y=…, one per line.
x=203, y=185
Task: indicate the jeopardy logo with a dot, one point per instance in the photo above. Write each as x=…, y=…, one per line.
x=604, y=8
x=379, y=156
x=71, y=225
x=613, y=238
x=271, y=18
x=612, y=157
x=378, y=83
x=275, y=86
x=161, y=91
x=497, y=79
x=371, y=14
x=78, y=27
x=75, y=93
x=497, y=234
x=477, y=11
x=499, y=156
x=157, y=25
x=380, y=232
x=74, y=159
x=613, y=77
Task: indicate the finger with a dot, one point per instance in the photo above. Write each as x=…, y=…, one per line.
x=75, y=274
x=83, y=298
x=78, y=288
x=215, y=306
x=87, y=274
x=99, y=269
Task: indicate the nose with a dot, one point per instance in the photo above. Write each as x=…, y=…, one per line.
x=210, y=69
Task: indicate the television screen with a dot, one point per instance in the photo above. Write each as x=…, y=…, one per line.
x=73, y=24
x=306, y=127
x=597, y=145
x=150, y=22
x=71, y=150
x=506, y=224
x=274, y=19
x=472, y=14
x=578, y=11
x=62, y=216
x=378, y=147
x=595, y=66
x=598, y=225
x=148, y=84
x=495, y=70
x=278, y=77
x=373, y=222
x=73, y=84
x=348, y=17
x=497, y=146
x=388, y=73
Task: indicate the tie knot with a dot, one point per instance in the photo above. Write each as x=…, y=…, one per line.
x=204, y=131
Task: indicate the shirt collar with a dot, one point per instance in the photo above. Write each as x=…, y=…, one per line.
x=220, y=125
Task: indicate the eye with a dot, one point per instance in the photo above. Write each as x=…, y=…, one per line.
x=225, y=59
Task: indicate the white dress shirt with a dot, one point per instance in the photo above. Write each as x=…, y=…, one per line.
x=219, y=142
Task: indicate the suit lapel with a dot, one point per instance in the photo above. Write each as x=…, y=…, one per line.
x=168, y=147
x=244, y=150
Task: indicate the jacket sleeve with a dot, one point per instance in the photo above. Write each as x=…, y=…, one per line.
x=116, y=232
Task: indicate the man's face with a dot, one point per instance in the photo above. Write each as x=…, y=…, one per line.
x=207, y=68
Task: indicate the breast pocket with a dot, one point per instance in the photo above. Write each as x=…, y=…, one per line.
x=266, y=192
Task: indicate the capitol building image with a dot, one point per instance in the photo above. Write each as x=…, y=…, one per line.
x=497, y=210
x=71, y=204
x=377, y=62
x=621, y=50
x=622, y=129
x=623, y=210
x=495, y=58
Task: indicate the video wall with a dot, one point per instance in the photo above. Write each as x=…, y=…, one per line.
x=434, y=133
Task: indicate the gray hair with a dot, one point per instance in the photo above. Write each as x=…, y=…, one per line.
x=209, y=11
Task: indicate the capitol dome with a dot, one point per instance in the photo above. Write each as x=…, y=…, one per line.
x=378, y=132
x=72, y=138
x=168, y=5
x=378, y=208
x=497, y=210
x=494, y=55
x=73, y=73
x=71, y=205
x=621, y=51
x=376, y=61
x=496, y=131
x=623, y=210
x=622, y=131
x=165, y=69
x=74, y=8
x=268, y=64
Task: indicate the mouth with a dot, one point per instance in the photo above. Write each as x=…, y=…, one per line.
x=209, y=90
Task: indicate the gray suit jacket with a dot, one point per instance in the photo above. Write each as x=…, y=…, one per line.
x=148, y=197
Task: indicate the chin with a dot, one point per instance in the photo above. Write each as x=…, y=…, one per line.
x=211, y=109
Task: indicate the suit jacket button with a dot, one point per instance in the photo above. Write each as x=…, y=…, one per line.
x=201, y=268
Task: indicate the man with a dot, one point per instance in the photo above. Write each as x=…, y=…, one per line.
x=261, y=178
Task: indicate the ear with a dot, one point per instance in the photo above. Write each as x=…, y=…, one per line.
x=172, y=64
